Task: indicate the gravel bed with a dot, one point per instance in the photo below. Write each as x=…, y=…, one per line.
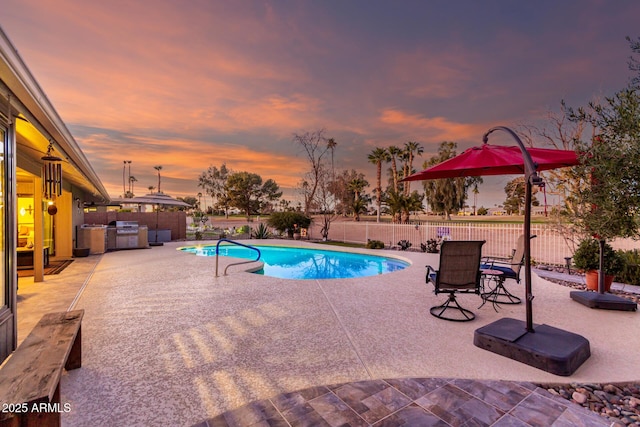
x=619, y=403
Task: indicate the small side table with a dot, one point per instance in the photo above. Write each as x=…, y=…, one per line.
x=499, y=294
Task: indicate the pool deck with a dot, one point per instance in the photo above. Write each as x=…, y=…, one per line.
x=165, y=342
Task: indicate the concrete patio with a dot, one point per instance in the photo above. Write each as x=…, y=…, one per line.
x=165, y=342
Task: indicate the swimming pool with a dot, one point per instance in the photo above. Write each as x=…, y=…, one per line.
x=305, y=263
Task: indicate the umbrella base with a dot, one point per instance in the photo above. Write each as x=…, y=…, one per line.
x=603, y=301
x=550, y=349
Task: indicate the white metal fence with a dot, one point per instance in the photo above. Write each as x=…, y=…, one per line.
x=549, y=246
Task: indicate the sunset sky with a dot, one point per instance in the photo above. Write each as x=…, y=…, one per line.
x=193, y=83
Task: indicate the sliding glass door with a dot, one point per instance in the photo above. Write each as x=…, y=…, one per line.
x=7, y=244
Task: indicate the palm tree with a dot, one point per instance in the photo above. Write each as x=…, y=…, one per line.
x=377, y=156
x=395, y=204
x=401, y=206
x=394, y=153
x=124, y=185
x=151, y=188
x=404, y=157
x=158, y=168
x=359, y=207
x=331, y=145
x=412, y=149
x=412, y=203
x=357, y=185
x=475, y=197
x=132, y=179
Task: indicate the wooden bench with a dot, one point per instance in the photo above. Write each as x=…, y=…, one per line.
x=25, y=257
x=30, y=378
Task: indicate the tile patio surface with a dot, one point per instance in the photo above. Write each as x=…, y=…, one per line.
x=167, y=343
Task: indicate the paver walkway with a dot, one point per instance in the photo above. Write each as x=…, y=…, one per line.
x=412, y=402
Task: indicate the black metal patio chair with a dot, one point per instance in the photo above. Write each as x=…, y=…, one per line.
x=459, y=272
x=510, y=269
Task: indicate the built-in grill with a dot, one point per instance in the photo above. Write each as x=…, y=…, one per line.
x=126, y=227
x=127, y=235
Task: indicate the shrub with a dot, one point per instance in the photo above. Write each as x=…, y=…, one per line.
x=285, y=222
x=404, y=245
x=261, y=232
x=630, y=272
x=587, y=257
x=199, y=217
x=375, y=244
x=432, y=246
x=243, y=230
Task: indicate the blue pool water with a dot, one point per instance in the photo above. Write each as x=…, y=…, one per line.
x=301, y=263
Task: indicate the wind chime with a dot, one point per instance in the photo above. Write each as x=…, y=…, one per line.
x=51, y=179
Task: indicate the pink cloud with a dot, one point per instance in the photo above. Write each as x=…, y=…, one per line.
x=431, y=128
x=183, y=161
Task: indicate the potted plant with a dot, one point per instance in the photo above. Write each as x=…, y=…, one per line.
x=587, y=259
x=606, y=195
x=296, y=232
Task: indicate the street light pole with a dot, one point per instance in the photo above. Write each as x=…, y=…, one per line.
x=124, y=188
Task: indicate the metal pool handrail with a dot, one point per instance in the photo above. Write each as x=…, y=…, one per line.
x=235, y=263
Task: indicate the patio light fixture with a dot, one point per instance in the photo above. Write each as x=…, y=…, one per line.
x=51, y=175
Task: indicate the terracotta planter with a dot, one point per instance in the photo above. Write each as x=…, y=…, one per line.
x=591, y=277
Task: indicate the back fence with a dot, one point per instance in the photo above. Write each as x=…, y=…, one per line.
x=548, y=247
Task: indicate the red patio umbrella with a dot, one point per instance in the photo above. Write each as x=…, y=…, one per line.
x=496, y=160
x=490, y=159
x=506, y=336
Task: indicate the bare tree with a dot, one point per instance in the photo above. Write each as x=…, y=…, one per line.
x=214, y=183
x=559, y=133
x=315, y=147
x=325, y=201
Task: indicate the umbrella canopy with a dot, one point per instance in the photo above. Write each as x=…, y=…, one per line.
x=496, y=160
x=156, y=199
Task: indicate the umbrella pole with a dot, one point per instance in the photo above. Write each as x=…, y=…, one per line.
x=527, y=255
x=531, y=177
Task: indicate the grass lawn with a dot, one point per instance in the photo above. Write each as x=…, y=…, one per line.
x=348, y=245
